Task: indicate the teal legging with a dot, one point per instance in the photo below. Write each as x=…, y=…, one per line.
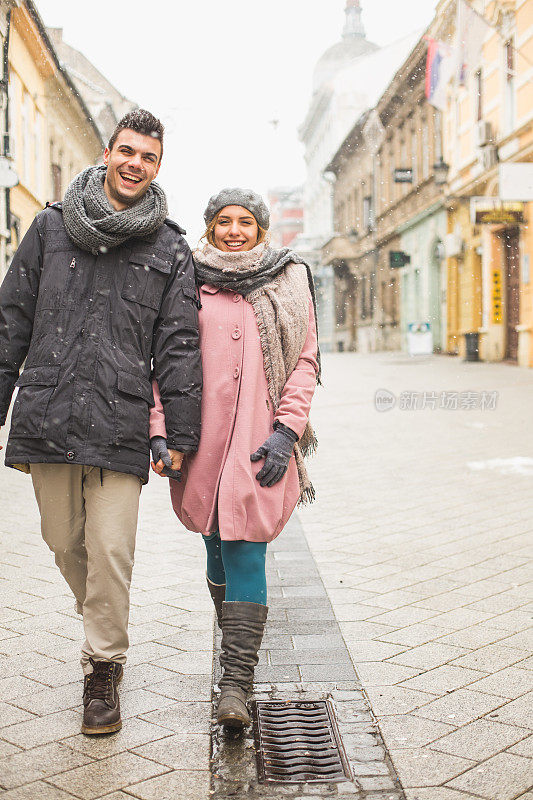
x=240, y=565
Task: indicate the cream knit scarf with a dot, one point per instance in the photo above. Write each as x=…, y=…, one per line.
x=281, y=308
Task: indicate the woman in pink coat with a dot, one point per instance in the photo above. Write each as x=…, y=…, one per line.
x=260, y=367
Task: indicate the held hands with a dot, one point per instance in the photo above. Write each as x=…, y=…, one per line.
x=165, y=462
x=276, y=451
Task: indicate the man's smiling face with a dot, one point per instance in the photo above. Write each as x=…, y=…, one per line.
x=132, y=165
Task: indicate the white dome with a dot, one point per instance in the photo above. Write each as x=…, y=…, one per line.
x=338, y=56
x=352, y=45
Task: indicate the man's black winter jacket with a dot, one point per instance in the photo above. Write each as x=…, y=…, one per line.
x=91, y=328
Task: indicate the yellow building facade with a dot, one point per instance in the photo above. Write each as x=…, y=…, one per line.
x=488, y=124
x=52, y=136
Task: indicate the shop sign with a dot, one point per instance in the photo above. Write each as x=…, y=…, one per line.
x=397, y=259
x=493, y=211
x=403, y=176
x=497, y=296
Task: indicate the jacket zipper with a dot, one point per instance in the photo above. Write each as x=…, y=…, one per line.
x=71, y=273
x=198, y=302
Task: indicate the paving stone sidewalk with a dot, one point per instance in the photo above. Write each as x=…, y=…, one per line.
x=304, y=658
x=423, y=537
x=163, y=750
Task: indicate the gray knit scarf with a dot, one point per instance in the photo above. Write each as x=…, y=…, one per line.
x=94, y=225
x=276, y=283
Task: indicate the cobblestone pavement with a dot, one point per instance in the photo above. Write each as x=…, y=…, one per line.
x=304, y=658
x=163, y=750
x=423, y=538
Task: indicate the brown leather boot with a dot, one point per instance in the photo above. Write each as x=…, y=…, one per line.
x=243, y=625
x=218, y=593
x=101, y=712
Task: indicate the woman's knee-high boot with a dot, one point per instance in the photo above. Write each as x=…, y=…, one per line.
x=243, y=625
x=218, y=593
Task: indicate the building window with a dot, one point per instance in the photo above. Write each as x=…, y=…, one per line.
x=403, y=187
x=26, y=137
x=355, y=211
x=368, y=214
x=425, y=149
x=509, y=89
x=11, y=140
x=390, y=177
x=417, y=293
x=56, y=182
x=372, y=293
x=437, y=134
x=393, y=289
x=414, y=156
x=377, y=184
x=478, y=95
x=39, y=154
x=390, y=301
x=455, y=132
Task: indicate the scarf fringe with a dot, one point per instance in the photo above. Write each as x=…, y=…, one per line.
x=308, y=496
x=311, y=447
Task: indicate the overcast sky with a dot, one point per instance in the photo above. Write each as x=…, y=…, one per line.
x=217, y=73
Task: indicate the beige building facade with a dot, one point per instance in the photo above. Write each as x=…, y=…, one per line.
x=52, y=135
x=389, y=218
x=489, y=126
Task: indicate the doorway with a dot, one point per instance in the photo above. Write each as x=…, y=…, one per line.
x=511, y=259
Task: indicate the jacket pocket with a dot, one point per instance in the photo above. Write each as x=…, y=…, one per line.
x=62, y=279
x=133, y=398
x=36, y=387
x=146, y=279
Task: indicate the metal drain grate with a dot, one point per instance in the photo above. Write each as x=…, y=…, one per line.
x=298, y=741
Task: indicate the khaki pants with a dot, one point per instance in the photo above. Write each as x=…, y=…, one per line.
x=90, y=527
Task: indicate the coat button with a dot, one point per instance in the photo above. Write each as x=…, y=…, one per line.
x=236, y=334
x=236, y=298
x=71, y=455
x=236, y=372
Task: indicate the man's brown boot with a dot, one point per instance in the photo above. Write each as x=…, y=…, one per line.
x=101, y=712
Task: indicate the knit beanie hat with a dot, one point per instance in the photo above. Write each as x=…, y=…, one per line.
x=252, y=201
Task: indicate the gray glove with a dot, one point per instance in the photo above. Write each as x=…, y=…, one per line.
x=158, y=445
x=277, y=452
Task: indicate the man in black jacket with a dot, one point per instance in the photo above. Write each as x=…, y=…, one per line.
x=99, y=296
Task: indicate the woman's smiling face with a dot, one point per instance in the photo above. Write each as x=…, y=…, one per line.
x=235, y=230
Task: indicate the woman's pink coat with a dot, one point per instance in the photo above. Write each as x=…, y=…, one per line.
x=219, y=488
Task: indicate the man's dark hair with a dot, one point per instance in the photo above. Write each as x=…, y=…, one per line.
x=140, y=121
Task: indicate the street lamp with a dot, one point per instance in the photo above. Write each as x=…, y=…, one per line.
x=440, y=172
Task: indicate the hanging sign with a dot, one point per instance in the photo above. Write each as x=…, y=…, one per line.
x=493, y=211
x=397, y=259
x=403, y=176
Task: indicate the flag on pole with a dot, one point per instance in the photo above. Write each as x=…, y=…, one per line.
x=439, y=70
x=472, y=29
